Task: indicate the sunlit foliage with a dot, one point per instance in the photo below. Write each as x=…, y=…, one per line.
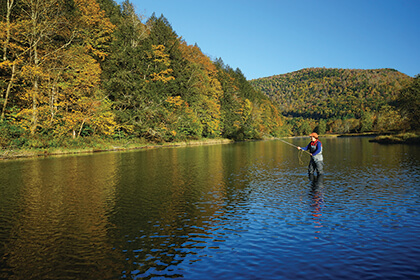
x=351, y=100
x=77, y=68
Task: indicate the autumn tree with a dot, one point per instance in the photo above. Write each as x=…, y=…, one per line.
x=332, y=93
x=321, y=128
x=78, y=102
x=272, y=122
x=41, y=31
x=84, y=67
x=409, y=102
x=5, y=26
x=181, y=122
x=90, y=105
x=366, y=122
x=203, y=90
x=51, y=43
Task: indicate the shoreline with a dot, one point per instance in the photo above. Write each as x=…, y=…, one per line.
x=404, y=138
x=10, y=154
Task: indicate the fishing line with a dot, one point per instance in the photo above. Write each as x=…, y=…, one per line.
x=300, y=151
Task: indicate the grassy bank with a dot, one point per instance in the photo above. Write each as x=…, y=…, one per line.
x=402, y=138
x=90, y=146
x=95, y=145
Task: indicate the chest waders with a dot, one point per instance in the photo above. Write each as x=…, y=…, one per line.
x=317, y=161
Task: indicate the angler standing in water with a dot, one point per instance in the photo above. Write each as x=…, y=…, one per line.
x=315, y=149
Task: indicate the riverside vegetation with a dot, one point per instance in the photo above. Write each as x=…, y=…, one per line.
x=76, y=73
x=94, y=75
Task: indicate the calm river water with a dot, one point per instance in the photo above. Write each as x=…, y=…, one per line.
x=235, y=211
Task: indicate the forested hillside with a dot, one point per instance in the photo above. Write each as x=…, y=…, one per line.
x=341, y=100
x=74, y=69
x=331, y=93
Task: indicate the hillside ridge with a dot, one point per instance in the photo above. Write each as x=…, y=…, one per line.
x=324, y=93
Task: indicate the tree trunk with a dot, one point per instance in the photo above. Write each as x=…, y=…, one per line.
x=34, y=122
x=81, y=127
x=9, y=87
x=6, y=43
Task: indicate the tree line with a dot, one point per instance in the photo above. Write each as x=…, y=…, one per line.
x=74, y=69
x=77, y=70
x=344, y=100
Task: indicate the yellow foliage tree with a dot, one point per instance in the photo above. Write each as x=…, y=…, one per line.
x=181, y=121
x=94, y=28
x=80, y=100
x=205, y=88
x=61, y=76
x=161, y=63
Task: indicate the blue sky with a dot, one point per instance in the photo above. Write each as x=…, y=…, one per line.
x=270, y=37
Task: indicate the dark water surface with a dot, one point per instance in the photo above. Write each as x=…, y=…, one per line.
x=237, y=211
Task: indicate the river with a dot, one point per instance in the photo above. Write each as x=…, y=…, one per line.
x=234, y=211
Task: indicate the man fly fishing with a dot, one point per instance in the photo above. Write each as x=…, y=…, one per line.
x=315, y=150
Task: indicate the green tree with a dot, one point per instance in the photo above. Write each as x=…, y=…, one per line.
x=162, y=34
x=409, y=102
x=125, y=74
x=203, y=90
x=366, y=122
x=321, y=128
x=389, y=119
x=230, y=101
x=305, y=129
x=332, y=93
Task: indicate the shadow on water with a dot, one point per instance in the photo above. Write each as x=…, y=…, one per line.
x=316, y=195
x=317, y=182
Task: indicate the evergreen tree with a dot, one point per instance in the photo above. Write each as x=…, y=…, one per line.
x=163, y=36
x=125, y=77
x=230, y=103
x=112, y=9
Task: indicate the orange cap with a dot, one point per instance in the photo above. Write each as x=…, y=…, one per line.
x=314, y=134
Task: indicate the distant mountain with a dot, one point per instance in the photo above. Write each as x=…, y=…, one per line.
x=332, y=93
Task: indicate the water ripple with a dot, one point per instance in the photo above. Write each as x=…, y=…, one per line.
x=245, y=211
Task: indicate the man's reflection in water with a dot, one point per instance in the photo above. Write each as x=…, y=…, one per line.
x=317, y=201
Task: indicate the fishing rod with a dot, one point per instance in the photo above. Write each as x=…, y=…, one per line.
x=294, y=146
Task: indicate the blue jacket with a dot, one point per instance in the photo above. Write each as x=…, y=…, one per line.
x=315, y=148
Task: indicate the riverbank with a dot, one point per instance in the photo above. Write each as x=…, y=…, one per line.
x=409, y=138
x=103, y=147
x=95, y=147
x=403, y=138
